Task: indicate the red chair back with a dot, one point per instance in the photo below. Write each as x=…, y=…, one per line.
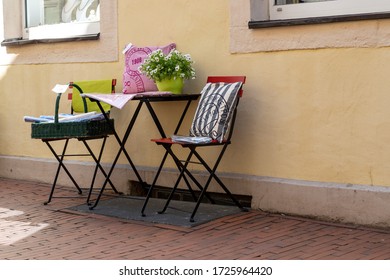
x=227, y=79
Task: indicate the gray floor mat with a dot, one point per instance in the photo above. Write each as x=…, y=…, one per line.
x=178, y=212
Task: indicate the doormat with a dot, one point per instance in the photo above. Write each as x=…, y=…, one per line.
x=177, y=214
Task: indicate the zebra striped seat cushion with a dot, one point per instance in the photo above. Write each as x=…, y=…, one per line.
x=215, y=109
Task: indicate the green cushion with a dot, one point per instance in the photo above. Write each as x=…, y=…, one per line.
x=99, y=86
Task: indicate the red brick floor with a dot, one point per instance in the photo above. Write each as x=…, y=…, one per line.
x=30, y=230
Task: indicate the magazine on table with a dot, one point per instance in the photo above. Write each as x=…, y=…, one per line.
x=118, y=100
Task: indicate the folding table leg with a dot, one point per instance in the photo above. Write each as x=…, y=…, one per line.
x=60, y=164
x=148, y=195
x=98, y=166
x=121, y=149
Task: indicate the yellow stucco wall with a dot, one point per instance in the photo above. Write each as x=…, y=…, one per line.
x=319, y=115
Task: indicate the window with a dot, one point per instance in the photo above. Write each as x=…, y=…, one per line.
x=101, y=47
x=293, y=9
x=365, y=30
x=54, y=19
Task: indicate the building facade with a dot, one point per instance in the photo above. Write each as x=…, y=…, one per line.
x=313, y=126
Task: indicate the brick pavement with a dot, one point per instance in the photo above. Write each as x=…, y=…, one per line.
x=30, y=230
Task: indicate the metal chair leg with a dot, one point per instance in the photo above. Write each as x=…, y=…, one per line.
x=211, y=176
x=183, y=169
x=60, y=165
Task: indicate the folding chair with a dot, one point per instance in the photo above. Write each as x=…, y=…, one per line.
x=83, y=105
x=214, y=121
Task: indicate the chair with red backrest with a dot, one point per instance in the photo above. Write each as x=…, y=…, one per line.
x=212, y=127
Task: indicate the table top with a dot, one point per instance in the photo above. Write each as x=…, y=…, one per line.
x=167, y=97
x=119, y=100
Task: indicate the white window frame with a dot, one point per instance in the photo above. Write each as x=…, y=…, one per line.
x=260, y=34
x=55, y=31
x=326, y=8
x=14, y=50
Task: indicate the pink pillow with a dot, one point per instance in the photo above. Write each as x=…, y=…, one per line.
x=133, y=80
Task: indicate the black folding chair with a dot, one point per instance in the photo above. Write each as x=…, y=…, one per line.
x=212, y=126
x=99, y=130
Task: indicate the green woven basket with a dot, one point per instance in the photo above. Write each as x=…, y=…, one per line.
x=92, y=128
x=71, y=129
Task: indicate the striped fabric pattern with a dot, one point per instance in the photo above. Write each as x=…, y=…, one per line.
x=214, y=110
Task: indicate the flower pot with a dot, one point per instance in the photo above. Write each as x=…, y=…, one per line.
x=173, y=85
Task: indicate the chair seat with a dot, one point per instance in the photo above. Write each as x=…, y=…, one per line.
x=169, y=141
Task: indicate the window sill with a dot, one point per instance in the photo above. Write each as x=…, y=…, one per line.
x=316, y=20
x=21, y=41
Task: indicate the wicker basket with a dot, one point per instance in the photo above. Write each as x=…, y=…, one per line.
x=92, y=128
x=71, y=129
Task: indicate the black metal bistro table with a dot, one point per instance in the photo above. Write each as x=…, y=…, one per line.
x=143, y=99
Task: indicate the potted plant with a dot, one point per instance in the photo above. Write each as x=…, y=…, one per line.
x=168, y=71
